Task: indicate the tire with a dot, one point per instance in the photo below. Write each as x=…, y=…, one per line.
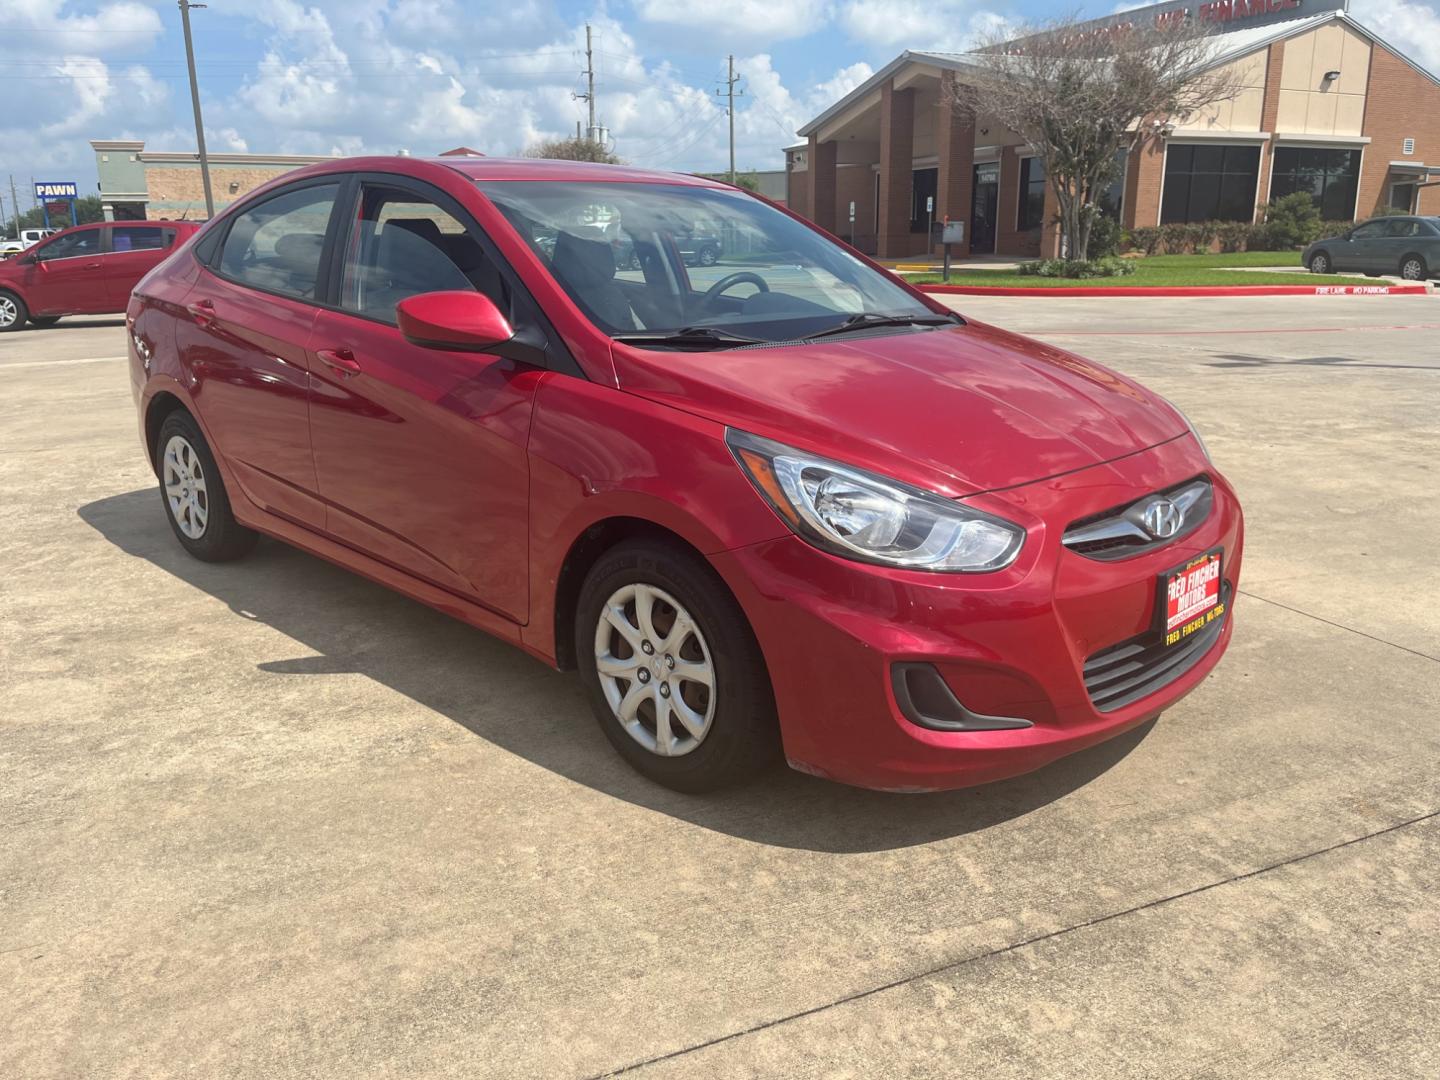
x=1320, y=263
x=709, y=256
x=731, y=735
x=44, y=322
x=193, y=493
x=13, y=312
x=1413, y=268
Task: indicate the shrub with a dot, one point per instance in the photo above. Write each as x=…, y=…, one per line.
x=1175, y=238
x=1077, y=268
x=1202, y=234
x=1388, y=211
x=1105, y=234
x=1259, y=237
x=1336, y=228
x=1145, y=239
x=1293, y=221
x=1233, y=234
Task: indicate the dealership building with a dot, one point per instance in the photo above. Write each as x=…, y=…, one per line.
x=1324, y=105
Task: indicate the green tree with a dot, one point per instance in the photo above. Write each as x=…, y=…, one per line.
x=87, y=209
x=573, y=150
x=1293, y=221
x=750, y=181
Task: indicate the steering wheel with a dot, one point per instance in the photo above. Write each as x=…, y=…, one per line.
x=730, y=280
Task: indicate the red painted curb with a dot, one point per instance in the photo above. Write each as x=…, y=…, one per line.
x=1182, y=290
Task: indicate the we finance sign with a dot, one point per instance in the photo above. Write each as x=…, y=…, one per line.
x=52, y=189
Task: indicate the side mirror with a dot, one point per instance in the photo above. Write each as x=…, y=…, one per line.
x=464, y=321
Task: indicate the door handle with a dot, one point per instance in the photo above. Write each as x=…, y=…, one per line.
x=340, y=361
x=202, y=311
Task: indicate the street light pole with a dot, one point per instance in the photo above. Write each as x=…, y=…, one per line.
x=185, y=6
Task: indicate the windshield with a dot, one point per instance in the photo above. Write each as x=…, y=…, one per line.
x=646, y=260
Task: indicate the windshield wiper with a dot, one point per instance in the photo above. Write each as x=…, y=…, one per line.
x=691, y=337
x=868, y=319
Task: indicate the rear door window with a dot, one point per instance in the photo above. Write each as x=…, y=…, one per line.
x=277, y=245
x=140, y=238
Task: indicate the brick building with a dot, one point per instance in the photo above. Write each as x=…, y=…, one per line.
x=1325, y=106
x=136, y=183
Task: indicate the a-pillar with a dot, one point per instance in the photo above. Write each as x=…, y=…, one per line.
x=821, y=181
x=955, y=148
x=897, y=156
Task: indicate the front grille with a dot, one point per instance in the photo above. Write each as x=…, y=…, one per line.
x=1125, y=673
x=1120, y=532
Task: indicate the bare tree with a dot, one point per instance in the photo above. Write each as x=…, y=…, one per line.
x=1078, y=93
x=572, y=150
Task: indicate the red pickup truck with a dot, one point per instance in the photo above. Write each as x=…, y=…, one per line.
x=85, y=270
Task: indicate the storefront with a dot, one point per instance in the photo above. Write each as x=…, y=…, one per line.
x=1324, y=105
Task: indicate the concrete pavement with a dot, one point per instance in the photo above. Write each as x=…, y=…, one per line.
x=269, y=819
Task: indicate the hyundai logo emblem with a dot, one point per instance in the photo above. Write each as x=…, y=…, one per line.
x=1162, y=518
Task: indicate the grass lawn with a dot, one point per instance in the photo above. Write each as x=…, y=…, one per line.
x=1234, y=258
x=1155, y=272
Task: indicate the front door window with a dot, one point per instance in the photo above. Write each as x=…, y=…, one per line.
x=983, y=211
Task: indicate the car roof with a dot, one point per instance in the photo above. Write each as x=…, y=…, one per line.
x=498, y=168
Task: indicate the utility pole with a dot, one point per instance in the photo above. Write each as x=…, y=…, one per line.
x=730, y=93
x=185, y=6
x=589, y=96
x=15, y=204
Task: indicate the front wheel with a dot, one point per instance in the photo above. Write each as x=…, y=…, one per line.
x=12, y=312
x=709, y=256
x=673, y=672
x=1320, y=263
x=196, y=503
x=1413, y=268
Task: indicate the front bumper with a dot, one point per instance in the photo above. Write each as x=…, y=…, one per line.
x=1008, y=644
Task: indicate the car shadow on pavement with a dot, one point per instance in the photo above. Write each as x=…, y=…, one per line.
x=517, y=703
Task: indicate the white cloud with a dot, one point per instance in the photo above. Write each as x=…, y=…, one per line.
x=1412, y=26
x=751, y=21
x=942, y=25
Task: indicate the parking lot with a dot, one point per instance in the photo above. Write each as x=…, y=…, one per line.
x=269, y=819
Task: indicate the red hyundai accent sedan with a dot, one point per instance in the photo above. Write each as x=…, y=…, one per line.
x=784, y=504
x=86, y=270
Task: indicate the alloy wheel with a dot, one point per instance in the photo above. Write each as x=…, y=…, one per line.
x=1412, y=270
x=9, y=312
x=655, y=669
x=1319, y=265
x=184, y=480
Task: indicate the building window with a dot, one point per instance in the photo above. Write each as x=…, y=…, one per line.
x=1330, y=177
x=1402, y=196
x=1112, y=199
x=1210, y=183
x=1032, y=194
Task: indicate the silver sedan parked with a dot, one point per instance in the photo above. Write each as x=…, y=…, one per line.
x=1408, y=246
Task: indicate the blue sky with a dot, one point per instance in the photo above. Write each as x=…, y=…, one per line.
x=353, y=76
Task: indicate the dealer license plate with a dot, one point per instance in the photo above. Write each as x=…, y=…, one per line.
x=1189, y=597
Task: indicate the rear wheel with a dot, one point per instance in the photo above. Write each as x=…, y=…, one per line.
x=672, y=669
x=44, y=321
x=1413, y=268
x=1320, y=263
x=12, y=312
x=196, y=504
x=709, y=256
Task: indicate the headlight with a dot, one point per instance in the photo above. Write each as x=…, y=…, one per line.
x=860, y=515
x=1203, y=448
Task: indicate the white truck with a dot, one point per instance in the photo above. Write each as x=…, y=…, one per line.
x=28, y=238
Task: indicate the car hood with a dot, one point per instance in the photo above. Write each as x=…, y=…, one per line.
x=961, y=410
